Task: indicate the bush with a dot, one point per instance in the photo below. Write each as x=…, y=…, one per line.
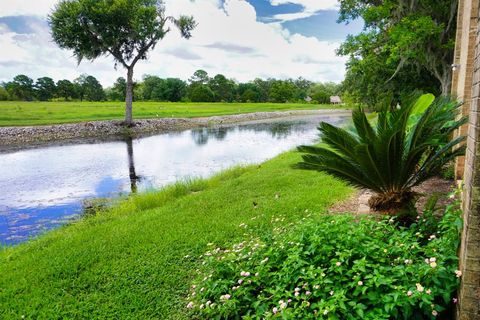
x=391, y=154
x=334, y=267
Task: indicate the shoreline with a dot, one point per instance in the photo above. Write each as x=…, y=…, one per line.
x=23, y=137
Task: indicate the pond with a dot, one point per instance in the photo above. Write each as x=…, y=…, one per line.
x=45, y=187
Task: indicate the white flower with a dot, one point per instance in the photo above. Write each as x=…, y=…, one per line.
x=297, y=289
x=331, y=293
x=325, y=312
x=360, y=283
x=419, y=287
x=308, y=293
x=433, y=264
x=275, y=310
x=434, y=313
x=432, y=237
x=283, y=305
x=428, y=291
x=240, y=281
x=190, y=305
x=316, y=287
x=458, y=273
x=264, y=260
x=433, y=259
x=297, y=294
x=338, y=264
x=408, y=261
x=225, y=297
x=409, y=293
x=427, y=260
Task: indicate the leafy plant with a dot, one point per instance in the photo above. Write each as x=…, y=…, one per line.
x=333, y=267
x=400, y=150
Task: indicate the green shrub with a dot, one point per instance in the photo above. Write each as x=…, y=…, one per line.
x=334, y=267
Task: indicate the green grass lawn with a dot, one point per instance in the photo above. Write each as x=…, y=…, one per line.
x=16, y=113
x=130, y=263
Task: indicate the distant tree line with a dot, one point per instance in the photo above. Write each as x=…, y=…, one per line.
x=200, y=87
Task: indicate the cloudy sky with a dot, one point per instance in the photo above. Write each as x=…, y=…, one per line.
x=242, y=39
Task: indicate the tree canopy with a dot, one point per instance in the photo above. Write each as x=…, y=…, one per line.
x=405, y=44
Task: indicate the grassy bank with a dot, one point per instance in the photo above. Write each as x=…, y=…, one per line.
x=15, y=113
x=137, y=261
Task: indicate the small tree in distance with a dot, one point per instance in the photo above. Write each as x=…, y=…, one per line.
x=123, y=29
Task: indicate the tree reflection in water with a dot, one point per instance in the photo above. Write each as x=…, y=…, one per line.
x=134, y=178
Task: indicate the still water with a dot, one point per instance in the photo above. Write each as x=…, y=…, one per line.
x=45, y=187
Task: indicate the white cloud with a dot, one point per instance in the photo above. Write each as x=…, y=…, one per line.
x=26, y=7
x=310, y=7
x=228, y=40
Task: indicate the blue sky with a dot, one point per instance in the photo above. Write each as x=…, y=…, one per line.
x=242, y=39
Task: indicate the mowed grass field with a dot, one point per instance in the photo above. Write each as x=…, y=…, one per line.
x=19, y=113
x=138, y=260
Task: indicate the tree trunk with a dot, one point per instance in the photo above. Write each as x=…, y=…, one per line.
x=129, y=98
x=446, y=83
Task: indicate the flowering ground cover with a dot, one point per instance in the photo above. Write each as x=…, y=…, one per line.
x=334, y=267
x=136, y=261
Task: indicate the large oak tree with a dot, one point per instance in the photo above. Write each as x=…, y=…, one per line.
x=405, y=44
x=124, y=29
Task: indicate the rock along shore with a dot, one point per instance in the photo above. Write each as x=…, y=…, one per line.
x=34, y=135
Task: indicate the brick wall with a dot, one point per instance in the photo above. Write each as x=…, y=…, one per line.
x=467, y=23
x=469, y=293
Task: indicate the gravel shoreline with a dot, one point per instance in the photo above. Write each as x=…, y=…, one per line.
x=11, y=137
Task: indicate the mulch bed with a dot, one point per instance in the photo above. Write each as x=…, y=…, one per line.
x=435, y=186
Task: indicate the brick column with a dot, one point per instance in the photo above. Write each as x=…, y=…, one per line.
x=469, y=293
x=464, y=57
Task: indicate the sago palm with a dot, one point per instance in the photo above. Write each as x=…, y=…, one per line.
x=391, y=154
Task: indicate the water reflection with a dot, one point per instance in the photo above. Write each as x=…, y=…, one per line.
x=131, y=166
x=45, y=187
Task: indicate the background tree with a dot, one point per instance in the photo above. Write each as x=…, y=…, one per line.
x=199, y=77
x=201, y=93
x=248, y=92
x=93, y=90
x=282, y=91
x=45, y=88
x=79, y=86
x=174, y=89
x=21, y=88
x=403, y=42
x=65, y=89
x=125, y=29
x=118, y=91
x=4, y=96
x=321, y=92
x=223, y=88
x=264, y=88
